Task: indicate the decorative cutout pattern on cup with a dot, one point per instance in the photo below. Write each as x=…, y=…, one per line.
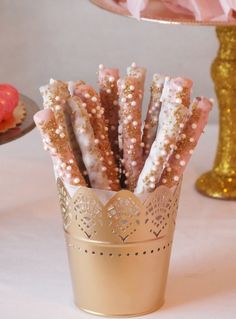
x=123, y=219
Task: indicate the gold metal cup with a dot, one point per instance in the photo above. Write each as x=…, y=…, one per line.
x=119, y=252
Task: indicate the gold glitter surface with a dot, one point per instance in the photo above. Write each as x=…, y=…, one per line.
x=221, y=181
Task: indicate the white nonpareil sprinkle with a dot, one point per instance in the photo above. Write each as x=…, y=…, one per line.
x=87, y=95
x=191, y=140
x=123, y=99
x=57, y=98
x=133, y=65
x=178, y=100
x=68, y=168
x=63, y=165
x=152, y=179
x=129, y=117
x=164, y=181
x=180, y=89
x=133, y=140
x=57, y=107
x=152, y=185
x=191, y=152
x=176, y=178
x=182, y=163
x=94, y=99
x=177, y=156
x=104, y=168
x=181, y=125
x=135, y=123
x=76, y=180
x=134, y=163
x=101, y=66
x=108, y=91
x=194, y=126
x=68, y=175
x=131, y=88
x=133, y=103
x=130, y=96
x=62, y=135
x=115, y=102
x=84, y=104
x=111, y=79
x=71, y=161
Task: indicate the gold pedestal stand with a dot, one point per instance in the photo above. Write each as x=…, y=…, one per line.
x=220, y=182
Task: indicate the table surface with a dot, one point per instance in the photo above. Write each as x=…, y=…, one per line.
x=34, y=275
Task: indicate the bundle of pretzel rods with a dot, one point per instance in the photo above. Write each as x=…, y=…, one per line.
x=98, y=139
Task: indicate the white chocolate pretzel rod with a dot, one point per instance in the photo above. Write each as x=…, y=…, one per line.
x=152, y=117
x=59, y=148
x=173, y=116
x=86, y=140
x=107, y=79
x=189, y=138
x=91, y=102
x=130, y=121
x=55, y=97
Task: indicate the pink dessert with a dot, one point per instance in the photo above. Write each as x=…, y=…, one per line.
x=9, y=98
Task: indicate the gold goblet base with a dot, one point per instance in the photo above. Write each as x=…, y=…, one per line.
x=214, y=185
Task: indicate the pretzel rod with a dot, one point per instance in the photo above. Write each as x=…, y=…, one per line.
x=109, y=99
x=86, y=140
x=130, y=119
x=91, y=102
x=152, y=117
x=59, y=148
x=189, y=139
x=173, y=116
x=55, y=97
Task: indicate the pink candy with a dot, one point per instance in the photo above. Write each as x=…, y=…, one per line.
x=9, y=98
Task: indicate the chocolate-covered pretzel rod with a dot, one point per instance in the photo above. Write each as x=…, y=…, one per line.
x=152, y=117
x=55, y=96
x=189, y=139
x=86, y=140
x=173, y=116
x=130, y=121
x=107, y=79
x=91, y=102
x=59, y=148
